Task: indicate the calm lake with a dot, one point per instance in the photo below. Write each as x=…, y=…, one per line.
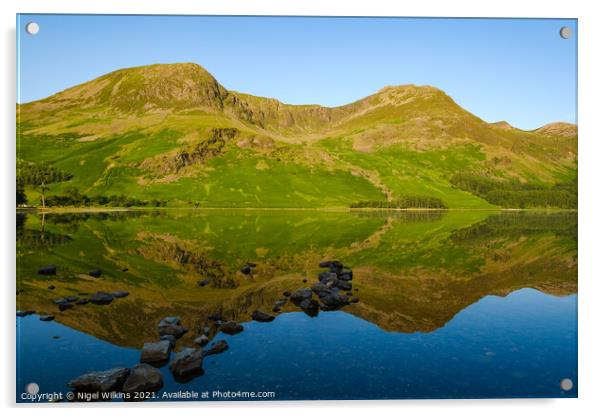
x=451, y=304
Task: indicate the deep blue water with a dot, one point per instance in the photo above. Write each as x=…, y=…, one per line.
x=521, y=345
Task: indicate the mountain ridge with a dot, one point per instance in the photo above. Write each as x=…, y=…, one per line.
x=180, y=110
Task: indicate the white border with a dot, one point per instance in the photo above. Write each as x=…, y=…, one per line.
x=590, y=201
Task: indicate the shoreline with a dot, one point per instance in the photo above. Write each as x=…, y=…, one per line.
x=67, y=210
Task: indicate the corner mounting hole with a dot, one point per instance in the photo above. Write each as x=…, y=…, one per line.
x=32, y=28
x=565, y=32
x=566, y=384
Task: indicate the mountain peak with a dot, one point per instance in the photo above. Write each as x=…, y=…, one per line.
x=145, y=88
x=503, y=124
x=559, y=128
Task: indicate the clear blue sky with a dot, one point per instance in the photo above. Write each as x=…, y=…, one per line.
x=521, y=71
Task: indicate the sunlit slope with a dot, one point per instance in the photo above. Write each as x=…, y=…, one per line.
x=172, y=132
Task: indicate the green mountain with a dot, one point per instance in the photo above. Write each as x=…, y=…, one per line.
x=173, y=133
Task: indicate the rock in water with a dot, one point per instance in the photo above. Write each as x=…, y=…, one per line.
x=321, y=290
x=120, y=294
x=310, y=307
x=300, y=295
x=216, y=348
x=231, y=328
x=46, y=318
x=333, y=301
x=346, y=277
x=343, y=285
x=72, y=298
x=100, y=381
x=82, y=301
x=260, y=316
x=171, y=320
x=155, y=352
x=25, y=313
x=143, y=378
x=47, y=270
x=187, y=363
x=101, y=298
x=95, y=273
x=203, y=282
x=326, y=276
x=202, y=340
x=170, y=338
x=171, y=325
x=65, y=306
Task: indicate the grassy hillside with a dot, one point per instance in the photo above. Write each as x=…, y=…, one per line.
x=173, y=133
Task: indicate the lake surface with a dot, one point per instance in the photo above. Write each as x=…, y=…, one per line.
x=451, y=304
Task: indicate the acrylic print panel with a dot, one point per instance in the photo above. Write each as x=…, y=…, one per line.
x=287, y=208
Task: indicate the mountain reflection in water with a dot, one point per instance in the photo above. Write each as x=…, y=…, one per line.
x=412, y=271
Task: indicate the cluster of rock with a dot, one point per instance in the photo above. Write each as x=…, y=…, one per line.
x=332, y=292
x=144, y=377
x=68, y=302
x=141, y=379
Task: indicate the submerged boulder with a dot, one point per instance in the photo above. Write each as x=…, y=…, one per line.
x=300, y=295
x=201, y=340
x=143, y=378
x=170, y=338
x=187, y=363
x=101, y=298
x=155, y=352
x=217, y=348
x=171, y=325
x=100, y=381
x=231, y=328
x=261, y=316
x=310, y=306
x=333, y=300
x=321, y=289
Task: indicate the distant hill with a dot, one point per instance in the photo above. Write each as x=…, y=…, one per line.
x=174, y=133
x=558, y=129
